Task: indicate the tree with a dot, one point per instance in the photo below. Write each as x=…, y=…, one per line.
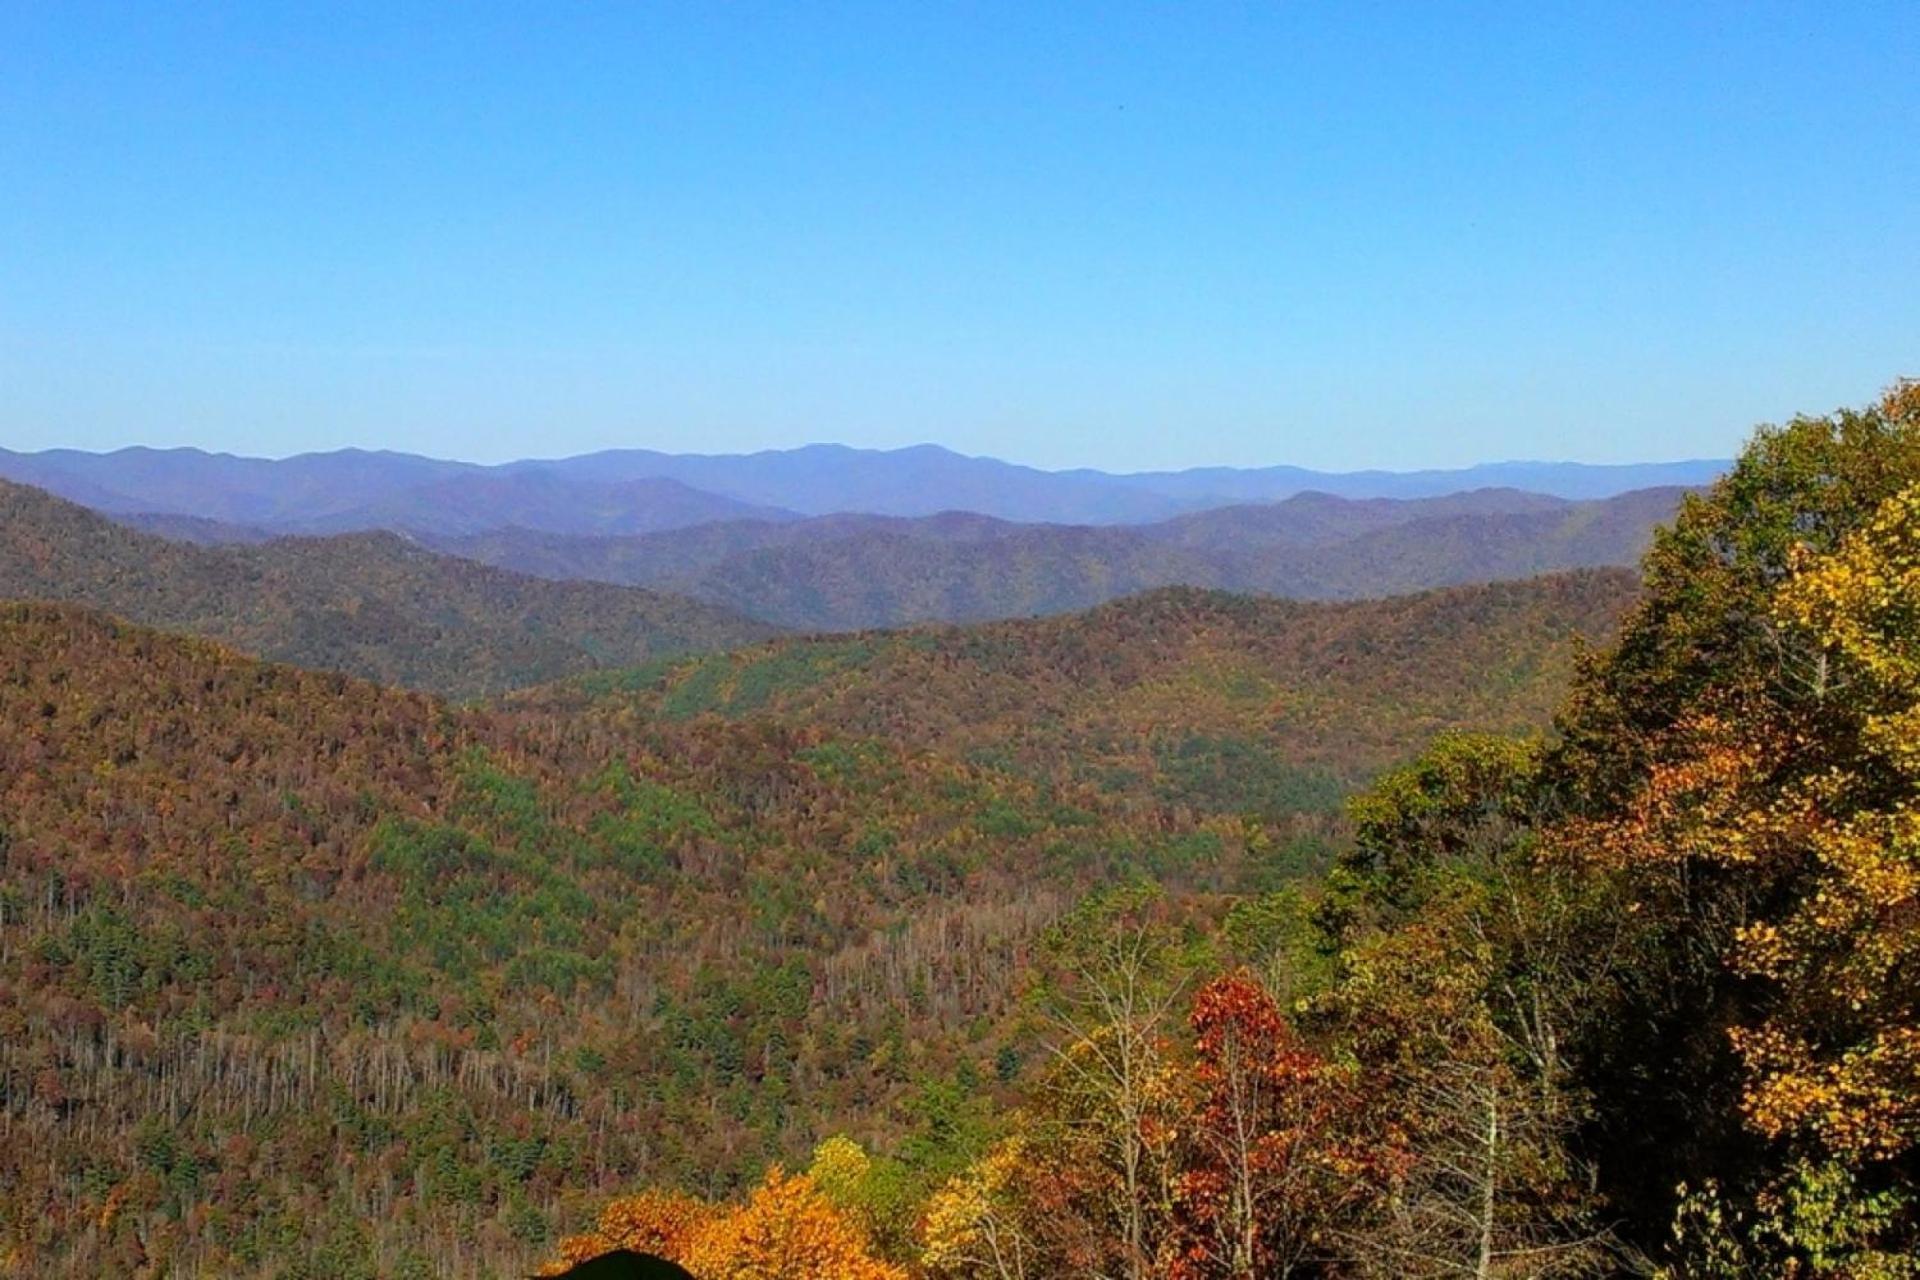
x=787, y=1230
x=1118, y=972
x=1464, y=963
x=980, y=1223
x=1271, y=1154
x=1455, y=810
x=1837, y=1060
x=1486, y=1184
x=663, y=1223
x=1714, y=707
x=1705, y=629
x=1454, y=1019
x=1769, y=841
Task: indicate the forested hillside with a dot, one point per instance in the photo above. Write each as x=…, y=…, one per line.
x=1217, y=700
x=300, y=975
x=984, y=641
x=852, y=572
x=367, y=604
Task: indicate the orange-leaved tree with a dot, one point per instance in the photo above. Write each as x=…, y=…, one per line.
x=663, y=1223
x=787, y=1229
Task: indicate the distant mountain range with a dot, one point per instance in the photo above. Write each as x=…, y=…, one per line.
x=849, y=572
x=632, y=491
x=369, y=604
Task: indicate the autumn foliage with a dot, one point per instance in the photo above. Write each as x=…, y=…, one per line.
x=302, y=975
x=787, y=1229
x=1275, y=1144
x=1757, y=813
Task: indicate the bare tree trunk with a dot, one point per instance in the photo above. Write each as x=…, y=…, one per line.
x=1490, y=1181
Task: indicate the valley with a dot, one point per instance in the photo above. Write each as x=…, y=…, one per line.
x=658, y=926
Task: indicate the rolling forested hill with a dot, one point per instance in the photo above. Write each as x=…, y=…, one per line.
x=1222, y=690
x=301, y=975
x=634, y=519
x=370, y=604
x=851, y=572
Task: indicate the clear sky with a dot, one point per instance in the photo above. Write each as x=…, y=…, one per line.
x=1128, y=236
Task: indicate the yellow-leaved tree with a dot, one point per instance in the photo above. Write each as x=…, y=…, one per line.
x=1818, y=800
x=1837, y=1060
x=787, y=1230
x=977, y=1224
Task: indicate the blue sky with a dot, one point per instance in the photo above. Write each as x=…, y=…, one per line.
x=1128, y=236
